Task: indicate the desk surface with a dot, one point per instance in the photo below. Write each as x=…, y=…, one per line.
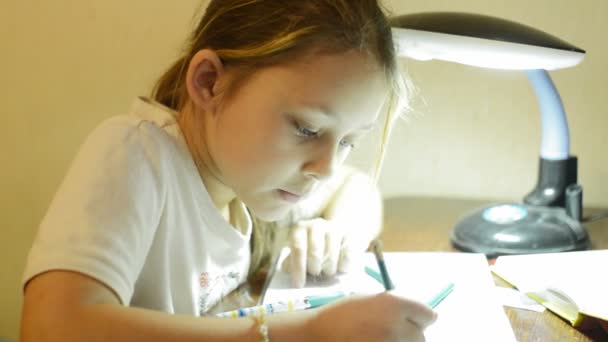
x=424, y=224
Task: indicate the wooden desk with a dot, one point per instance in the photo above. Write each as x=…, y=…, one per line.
x=424, y=224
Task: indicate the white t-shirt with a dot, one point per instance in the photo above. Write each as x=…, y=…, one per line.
x=133, y=213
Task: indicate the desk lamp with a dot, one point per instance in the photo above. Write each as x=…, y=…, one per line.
x=548, y=219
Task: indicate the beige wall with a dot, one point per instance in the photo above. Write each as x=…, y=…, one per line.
x=66, y=65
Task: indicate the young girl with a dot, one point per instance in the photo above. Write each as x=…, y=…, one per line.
x=165, y=211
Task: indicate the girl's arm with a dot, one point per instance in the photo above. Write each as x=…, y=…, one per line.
x=68, y=306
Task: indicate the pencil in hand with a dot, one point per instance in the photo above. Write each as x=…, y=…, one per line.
x=376, y=247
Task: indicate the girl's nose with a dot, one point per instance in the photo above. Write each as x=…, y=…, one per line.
x=324, y=163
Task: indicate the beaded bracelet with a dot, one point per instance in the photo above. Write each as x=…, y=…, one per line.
x=262, y=326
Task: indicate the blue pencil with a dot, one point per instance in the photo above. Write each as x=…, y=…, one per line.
x=441, y=296
x=432, y=303
x=386, y=280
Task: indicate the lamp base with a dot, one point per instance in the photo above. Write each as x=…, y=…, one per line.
x=507, y=229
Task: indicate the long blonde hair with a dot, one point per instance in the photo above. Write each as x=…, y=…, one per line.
x=251, y=34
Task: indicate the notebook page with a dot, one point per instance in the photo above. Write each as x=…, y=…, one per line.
x=470, y=313
x=582, y=276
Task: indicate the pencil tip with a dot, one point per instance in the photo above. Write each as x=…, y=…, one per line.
x=376, y=247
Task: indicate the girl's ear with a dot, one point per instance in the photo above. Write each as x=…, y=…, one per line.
x=202, y=79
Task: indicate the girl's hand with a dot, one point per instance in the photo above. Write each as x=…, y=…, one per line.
x=321, y=247
x=382, y=317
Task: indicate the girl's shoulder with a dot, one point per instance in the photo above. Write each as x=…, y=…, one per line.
x=147, y=128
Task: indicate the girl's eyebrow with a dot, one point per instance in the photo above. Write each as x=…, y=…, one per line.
x=316, y=115
x=324, y=115
x=367, y=128
x=319, y=111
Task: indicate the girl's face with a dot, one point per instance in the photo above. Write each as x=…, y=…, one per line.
x=287, y=128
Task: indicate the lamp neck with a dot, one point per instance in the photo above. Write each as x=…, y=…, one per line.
x=555, y=140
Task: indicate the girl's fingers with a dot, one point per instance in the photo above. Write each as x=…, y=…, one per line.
x=345, y=262
x=298, y=243
x=410, y=332
x=333, y=242
x=316, y=247
x=418, y=314
x=350, y=254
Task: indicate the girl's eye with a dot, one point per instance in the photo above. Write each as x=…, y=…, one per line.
x=305, y=132
x=308, y=133
x=346, y=144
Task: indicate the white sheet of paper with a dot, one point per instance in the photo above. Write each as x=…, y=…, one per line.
x=471, y=312
x=579, y=275
x=515, y=299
